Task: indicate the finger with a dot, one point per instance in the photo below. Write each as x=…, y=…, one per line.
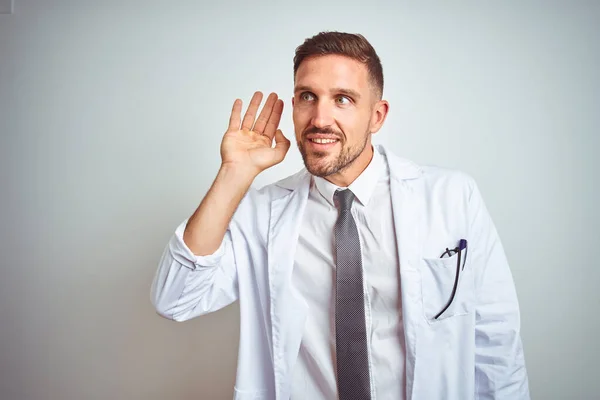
x=274, y=119
x=282, y=145
x=236, y=116
x=251, y=112
x=263, y=118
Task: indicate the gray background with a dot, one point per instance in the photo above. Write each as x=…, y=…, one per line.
x=111, y=117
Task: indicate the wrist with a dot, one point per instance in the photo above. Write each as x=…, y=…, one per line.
x=240, y=175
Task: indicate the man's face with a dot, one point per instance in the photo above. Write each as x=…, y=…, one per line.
x=333, y=113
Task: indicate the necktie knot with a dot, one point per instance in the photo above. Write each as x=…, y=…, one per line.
x=345, y=198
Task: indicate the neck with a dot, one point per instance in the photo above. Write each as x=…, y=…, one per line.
x=347, y=175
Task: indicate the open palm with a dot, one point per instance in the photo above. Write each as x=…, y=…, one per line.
x=249, y=143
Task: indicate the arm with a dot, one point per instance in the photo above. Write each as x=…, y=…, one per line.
x=197, y=273
x=205, y=230
x=499, y=361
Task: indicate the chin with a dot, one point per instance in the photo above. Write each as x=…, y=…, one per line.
x=320, y=166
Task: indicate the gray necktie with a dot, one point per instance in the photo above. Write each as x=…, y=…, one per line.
x=350, y=328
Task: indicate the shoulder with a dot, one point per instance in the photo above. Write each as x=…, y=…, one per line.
x=255, y=197
x=284, y=186
x=432, y=179
x=256, y=203
x=434, y=176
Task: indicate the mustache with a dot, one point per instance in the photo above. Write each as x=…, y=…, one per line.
x=324, y=131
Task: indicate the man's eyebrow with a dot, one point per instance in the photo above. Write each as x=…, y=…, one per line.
x=349, y=92
x=344, y=91
x=302, y=88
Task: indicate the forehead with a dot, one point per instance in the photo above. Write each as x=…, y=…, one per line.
x=332, y=71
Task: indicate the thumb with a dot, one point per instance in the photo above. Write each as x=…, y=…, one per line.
x=282, y=145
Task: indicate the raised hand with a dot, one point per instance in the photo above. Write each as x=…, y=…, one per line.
x=249, y=143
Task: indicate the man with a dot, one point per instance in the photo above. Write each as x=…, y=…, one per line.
x=362, y=276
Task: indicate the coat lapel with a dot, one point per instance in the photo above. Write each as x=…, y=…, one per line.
x=408, y=211
x=287, y=310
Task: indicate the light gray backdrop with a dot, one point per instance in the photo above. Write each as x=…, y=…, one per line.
x=111, y=117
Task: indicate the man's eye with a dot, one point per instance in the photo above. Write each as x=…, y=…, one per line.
x=342, y=100
x=306, y=96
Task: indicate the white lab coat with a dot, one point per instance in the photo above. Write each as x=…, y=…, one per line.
x=472, y=351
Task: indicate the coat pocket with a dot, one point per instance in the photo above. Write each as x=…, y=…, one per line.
x=437, y=280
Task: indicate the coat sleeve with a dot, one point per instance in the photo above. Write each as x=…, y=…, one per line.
x=500, y=371
x=186, y=286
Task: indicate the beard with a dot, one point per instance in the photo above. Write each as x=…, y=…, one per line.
x=322, y=163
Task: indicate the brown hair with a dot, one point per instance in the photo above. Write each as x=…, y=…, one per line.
x=351, y=45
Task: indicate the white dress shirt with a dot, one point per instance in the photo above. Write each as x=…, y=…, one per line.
x=314, y=374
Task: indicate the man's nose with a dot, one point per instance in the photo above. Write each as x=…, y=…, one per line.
x=322, y=115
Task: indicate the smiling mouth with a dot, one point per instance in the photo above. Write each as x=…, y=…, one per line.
x=323, y=141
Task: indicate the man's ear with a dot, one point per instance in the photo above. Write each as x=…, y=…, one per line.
x=380, y=112
x=292, y=101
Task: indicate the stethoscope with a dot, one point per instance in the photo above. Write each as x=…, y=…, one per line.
x=462, y=246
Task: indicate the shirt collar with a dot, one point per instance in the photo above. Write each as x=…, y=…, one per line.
x=362, y=187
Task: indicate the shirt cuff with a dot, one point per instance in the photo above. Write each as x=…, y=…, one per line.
x=182, y=253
